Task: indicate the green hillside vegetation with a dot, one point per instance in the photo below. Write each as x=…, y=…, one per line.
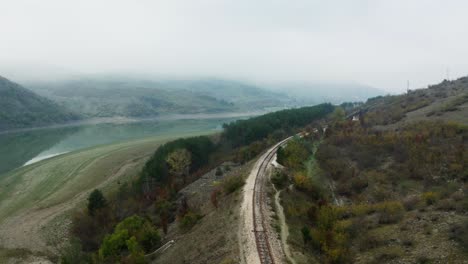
x=243, y=132
x=383, y=190
x=445, y=101
x=173, y=166
x=20, y=108
x=101, y=97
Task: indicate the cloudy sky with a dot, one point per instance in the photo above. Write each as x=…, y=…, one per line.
x=374, y=42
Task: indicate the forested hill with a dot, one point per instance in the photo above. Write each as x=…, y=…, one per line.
x=21, y=108
x=119, y=96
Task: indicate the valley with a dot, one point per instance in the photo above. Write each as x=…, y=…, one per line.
x=37, y=200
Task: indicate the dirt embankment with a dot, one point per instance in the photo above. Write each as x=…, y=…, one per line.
x=214, y=239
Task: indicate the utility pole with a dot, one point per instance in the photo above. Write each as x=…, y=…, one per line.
x=407, y=87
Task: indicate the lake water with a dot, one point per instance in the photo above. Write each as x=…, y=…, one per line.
x=22, y=148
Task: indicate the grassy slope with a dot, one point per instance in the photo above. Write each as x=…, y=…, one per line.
x=55, y=180
x=36, y=201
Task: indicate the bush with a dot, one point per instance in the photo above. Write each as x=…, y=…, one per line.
x=390, y=212
x=219, y=171
x=370, y=241
x=411, y=202
x=279, y=179
x=358, y=184
x=447, y=205
x=134, y=235
x=188, y=221
x=459, y=233
x=430, y=197
x=388, y=253
x=232, y=183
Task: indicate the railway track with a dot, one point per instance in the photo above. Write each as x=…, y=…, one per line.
x=259, y=198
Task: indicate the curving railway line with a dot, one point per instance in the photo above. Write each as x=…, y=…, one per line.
x=260, y=220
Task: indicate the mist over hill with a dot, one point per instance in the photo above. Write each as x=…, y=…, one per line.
x=63, y=100
x=107, y=97
x=20, y=108
x=307, y=93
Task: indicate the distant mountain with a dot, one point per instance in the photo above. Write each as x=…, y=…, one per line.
x=242, y=95
x=336, y=93
x=21, y=108
x=106, y=97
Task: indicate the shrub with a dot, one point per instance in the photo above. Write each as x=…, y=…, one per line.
x=306, y=235
x=362, y=209
x=232, y=183
x=380, y=194
x=390, y=212
x=358, y=184
x=134, y=235
x=459, y=233
x=388, y=253
x=188, y=221
x=423, y=260
x=430, y=197
x=219, y=171
x=279, y=179
x=411, y=202
x=447, y=205
x=370, y=241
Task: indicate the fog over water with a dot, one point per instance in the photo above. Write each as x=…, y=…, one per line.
x=374, y=42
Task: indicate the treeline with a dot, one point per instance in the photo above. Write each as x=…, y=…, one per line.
x=200, y=149
x=244, y=132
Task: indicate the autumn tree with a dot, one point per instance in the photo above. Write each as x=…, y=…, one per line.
x=179, y=163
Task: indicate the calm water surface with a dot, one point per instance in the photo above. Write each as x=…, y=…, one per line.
x=22, y=148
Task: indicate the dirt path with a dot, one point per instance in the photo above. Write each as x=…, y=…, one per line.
x=282, y=221
x=26, y=229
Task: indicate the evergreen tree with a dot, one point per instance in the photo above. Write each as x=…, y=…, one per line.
x=96, y=201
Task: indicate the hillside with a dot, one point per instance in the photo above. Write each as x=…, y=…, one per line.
x=446, y=101
x=388, y=188
x=20, y=108
x=102, y=97
x=309, y=93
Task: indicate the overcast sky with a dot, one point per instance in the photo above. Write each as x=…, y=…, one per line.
x=379, y=43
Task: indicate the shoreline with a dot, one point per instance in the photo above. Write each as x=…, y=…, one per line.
x=127, y=120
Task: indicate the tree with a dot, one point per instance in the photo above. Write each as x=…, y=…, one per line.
x=179, y=162
x=163, y=207
x=96, y=201
x=338, y=114
x=131, y=239
x=306, y=235
x=280, y=155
